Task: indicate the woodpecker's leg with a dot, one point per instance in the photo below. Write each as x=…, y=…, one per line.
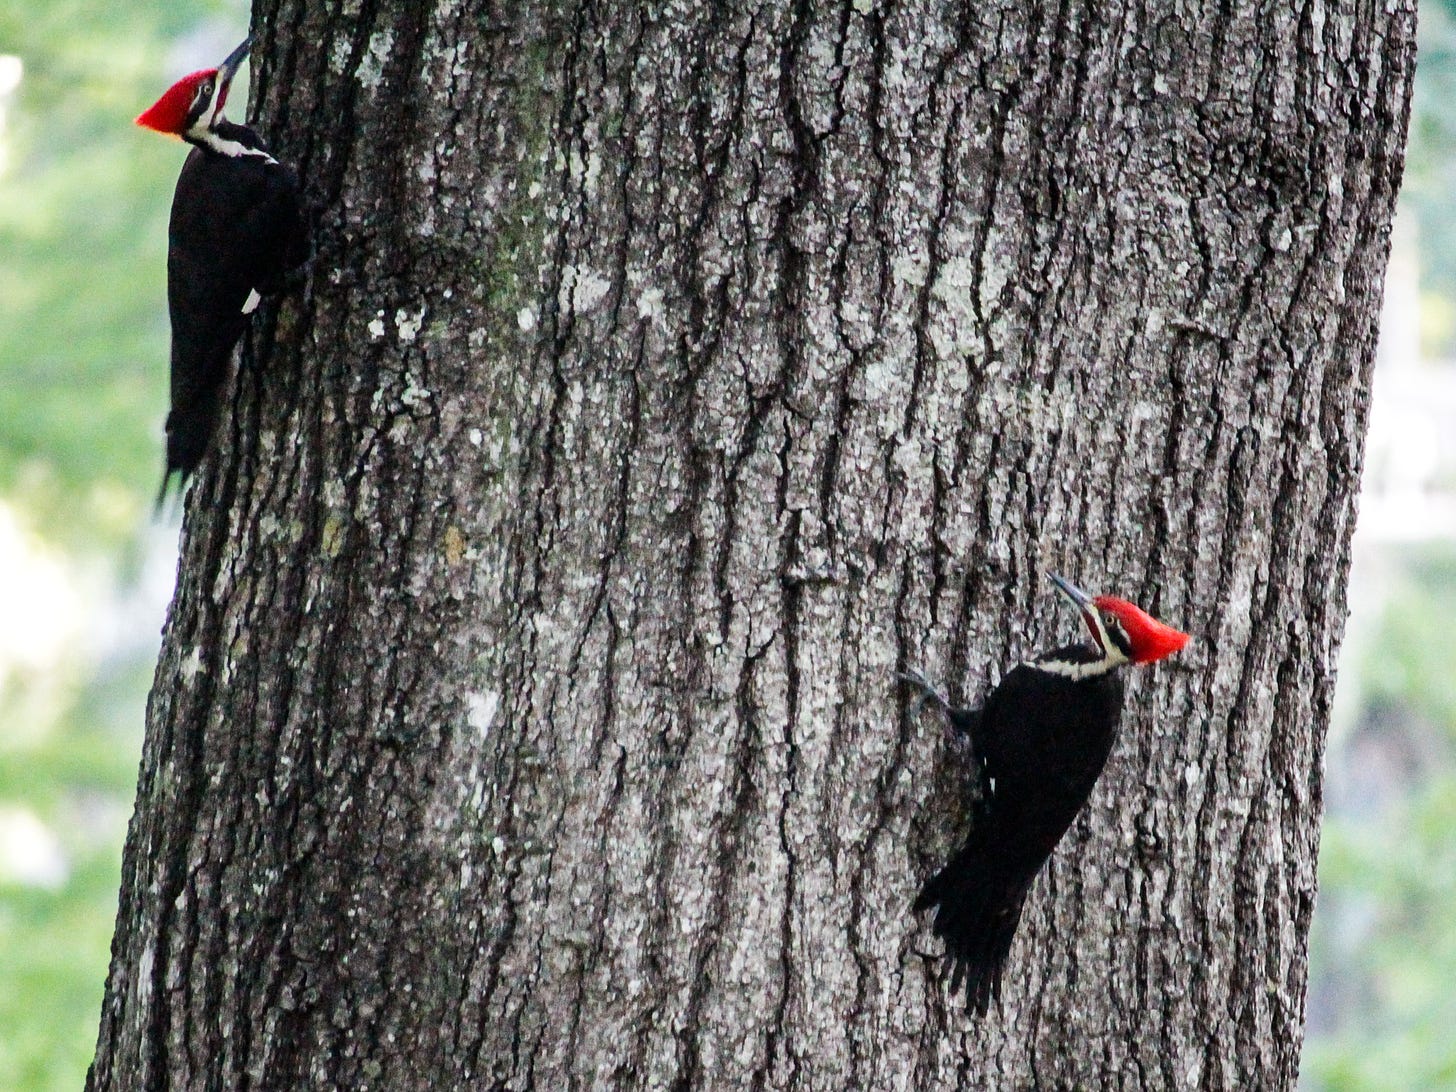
x=288, y=280
x=298, y=276
x=928, y=692
x=963, y=722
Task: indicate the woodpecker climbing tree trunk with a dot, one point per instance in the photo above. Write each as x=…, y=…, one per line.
x=526, y=715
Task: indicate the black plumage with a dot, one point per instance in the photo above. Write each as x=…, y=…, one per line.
x=237, y=227
x=237, y=231
x=1040, y=741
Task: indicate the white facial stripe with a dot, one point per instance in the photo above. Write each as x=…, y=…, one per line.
x=212, y=109
x=1093, y=617
x=227, y=147
x=1112, y=655
x=203, y=132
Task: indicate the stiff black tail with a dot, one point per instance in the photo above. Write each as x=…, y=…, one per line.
x=189, y=428
x=976, y=914
x=200, y=363
x=159, y=507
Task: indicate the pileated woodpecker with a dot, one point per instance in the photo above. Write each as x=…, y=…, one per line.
x=1040, y=742
x=237, y=230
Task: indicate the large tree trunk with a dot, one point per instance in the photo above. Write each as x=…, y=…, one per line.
x=526, y=716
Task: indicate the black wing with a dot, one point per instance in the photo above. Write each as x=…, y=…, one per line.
x=237, y=227
x=1042, y=740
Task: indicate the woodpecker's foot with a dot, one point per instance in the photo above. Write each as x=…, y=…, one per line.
x=928, y=692
x=298, y=276
x=288, y=281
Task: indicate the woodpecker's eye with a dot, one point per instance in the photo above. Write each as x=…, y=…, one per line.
x=205, y=91
x=1113, y=624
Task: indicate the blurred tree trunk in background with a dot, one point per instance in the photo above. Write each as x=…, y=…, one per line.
x=526, y=715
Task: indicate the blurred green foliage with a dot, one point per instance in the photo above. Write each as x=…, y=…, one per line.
x=1430, y=176
x=84, y=200
x=55, y=943
x=1383, y=950
x=1382, y=1000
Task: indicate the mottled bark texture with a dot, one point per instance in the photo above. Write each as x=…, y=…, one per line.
x=526, y=716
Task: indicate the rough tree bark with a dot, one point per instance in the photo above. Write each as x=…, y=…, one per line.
x=526, y=714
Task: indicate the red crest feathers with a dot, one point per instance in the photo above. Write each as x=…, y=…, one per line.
x=1150, y=639
x=169, y=113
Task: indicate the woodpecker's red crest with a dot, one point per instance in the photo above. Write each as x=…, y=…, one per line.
x=195, y=101
x=1148, y=639
x=1122, y=631
x=172, y=112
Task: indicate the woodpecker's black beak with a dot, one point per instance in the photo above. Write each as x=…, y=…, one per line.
x=1083, y=602
x=1080, y=599
x=229, y=68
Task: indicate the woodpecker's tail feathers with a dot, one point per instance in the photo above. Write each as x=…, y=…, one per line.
x=189, y=428
x=188, y=431
x=201, y=359
x=976, y=915
x=158, y=509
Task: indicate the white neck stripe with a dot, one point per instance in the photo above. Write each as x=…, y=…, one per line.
x=1074, y=671
x=227, y=147
x=214, y=114
x=1069, y=670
